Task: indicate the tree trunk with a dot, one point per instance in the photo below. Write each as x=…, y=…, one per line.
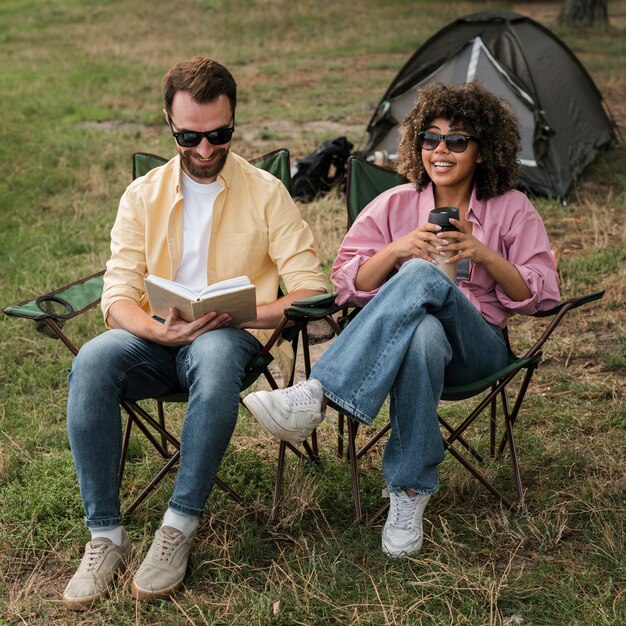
x=584, y=13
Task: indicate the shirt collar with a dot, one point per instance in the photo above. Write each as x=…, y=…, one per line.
x=224, y=177
x=476, y=207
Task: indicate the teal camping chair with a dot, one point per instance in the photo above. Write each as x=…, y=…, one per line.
x=494, y=393
x=51, y=311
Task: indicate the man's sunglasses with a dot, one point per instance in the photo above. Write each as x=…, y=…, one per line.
x=191, y=138
x=455, y=142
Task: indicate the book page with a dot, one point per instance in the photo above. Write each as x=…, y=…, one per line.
x=239, y=302
x=161, y=299
x=172, y=287
x=229, y=284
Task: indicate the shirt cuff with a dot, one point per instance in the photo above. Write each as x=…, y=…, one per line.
x=343, y=282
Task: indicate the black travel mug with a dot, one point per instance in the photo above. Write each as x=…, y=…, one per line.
x=442, y=217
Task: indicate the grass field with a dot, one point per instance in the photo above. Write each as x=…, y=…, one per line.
x=80, y=86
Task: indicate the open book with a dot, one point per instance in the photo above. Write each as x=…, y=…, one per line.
x=236, y=296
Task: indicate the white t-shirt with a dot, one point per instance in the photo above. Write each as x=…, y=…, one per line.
x=198, y=201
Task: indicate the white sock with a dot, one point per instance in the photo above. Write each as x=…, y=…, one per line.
x=187, y=524
x=114, y=534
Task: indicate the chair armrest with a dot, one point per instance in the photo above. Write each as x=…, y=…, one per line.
x=571, y=303
x=314, y=307
x=63, y=303
x=321, y=299
x=558, y=313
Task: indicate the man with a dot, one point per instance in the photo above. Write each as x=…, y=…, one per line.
x=205, y=216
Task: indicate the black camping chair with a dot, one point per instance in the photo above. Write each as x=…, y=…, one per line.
x=51, y=311
x=365, y=182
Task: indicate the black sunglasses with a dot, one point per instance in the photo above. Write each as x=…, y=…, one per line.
x=455, y=142
x=191, y=138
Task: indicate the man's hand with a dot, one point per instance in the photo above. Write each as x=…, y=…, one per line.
x=177, y=332
x=173, y=332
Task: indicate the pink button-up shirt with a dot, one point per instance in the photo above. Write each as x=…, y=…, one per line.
x=508, y=224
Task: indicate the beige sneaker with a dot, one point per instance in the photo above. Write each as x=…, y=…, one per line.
x=100, y=563
x=163, y=570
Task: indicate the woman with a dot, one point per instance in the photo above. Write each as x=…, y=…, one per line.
x=419, y=329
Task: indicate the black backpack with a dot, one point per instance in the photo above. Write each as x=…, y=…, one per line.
x=320, y=170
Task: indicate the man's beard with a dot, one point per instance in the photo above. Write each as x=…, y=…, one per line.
x=211, y=170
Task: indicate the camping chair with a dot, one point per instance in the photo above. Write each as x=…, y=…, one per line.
x=366, y=181
x=52, y=310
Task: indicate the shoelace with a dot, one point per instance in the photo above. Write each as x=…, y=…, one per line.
x=94, y=554
x=166, y=545
x=402, y=510
x=298, y=395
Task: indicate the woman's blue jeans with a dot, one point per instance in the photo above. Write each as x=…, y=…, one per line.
x=416, y=334
x=117, y=366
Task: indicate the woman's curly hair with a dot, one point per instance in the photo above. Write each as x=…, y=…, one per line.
x=478, y=112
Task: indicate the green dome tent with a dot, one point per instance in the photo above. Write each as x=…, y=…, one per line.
x=564, y=120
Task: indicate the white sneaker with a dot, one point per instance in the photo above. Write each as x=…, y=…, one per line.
x=403, y=533
x=290, y=414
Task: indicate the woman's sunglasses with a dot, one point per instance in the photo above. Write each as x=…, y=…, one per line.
x=455, y=142
x=191, y=138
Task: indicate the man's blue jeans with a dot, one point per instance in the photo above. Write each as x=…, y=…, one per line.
x=418, y=332
x=119, y=366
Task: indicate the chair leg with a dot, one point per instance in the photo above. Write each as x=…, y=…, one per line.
x=509, y=417
x=315, y=455
x=220, y=484
x=125, y=439
x=374, y=440
x=278, y=485
x=310, y=451
x=518, y=403
x=340, y=434
x=154, y=482
x=142, y=420
x=460, y=439
x=161, y=415
x=493, y=414
x=478, y=475
x=514, y=461
x=133, y=412
x=383, y=509
x=353, y=427
x=353, y=457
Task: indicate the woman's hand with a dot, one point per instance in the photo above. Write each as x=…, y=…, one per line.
x=419, y=243
x=465, y=245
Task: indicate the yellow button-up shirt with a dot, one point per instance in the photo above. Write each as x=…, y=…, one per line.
x=256, y=230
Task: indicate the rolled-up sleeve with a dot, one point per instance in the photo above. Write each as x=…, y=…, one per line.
x=126, y=268
x=364, y=239
x=292, y=245
x=526, y=246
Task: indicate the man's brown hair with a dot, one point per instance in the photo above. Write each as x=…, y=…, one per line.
x=204, y=80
